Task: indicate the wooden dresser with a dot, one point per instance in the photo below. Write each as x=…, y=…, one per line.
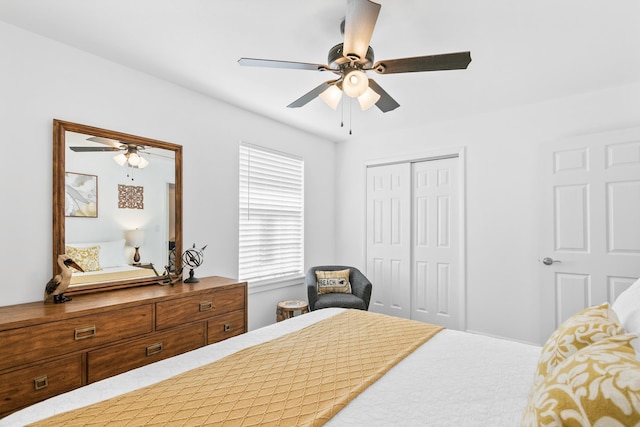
x=48, y=349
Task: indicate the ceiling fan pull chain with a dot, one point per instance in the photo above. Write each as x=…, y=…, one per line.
x=350, y=114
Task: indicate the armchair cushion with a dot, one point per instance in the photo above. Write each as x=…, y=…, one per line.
x=336, y=281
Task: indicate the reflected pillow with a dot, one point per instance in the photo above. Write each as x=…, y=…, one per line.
x=598, y=385
x=112, y=253
x=87, y=258
x=580, y=330
x=333, y=282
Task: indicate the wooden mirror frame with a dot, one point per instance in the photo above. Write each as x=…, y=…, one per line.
x=59, y=129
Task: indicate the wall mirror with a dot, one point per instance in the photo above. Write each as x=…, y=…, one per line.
x=117, y=206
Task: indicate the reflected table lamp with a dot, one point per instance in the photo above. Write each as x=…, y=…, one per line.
x=135, y=238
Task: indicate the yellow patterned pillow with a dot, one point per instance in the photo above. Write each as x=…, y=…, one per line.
x=333, y=281
x=580, y=330
x=87, y=258
x=596, y=386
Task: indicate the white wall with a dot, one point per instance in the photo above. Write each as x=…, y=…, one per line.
x=42, y=80
x=501, y=181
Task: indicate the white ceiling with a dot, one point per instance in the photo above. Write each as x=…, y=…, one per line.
x=522, y=51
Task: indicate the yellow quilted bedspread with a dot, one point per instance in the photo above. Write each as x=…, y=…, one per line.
x=302, y=378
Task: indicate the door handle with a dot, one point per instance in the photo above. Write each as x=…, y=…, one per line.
x=549, y=261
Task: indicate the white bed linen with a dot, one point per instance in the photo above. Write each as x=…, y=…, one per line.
x=454, y=379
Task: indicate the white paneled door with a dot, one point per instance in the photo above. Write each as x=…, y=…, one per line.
x=436, y=285
x=389, y=238
x=590, y=215
x=414, y=241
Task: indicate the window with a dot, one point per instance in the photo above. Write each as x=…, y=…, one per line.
x=271, y=215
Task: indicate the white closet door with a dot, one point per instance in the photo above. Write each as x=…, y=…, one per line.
x=389, y=238
x=590, y=222
x=414, y=240
x=436, y=285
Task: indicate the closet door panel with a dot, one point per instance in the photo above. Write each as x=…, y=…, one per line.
x=389, y=238
x=435, y=249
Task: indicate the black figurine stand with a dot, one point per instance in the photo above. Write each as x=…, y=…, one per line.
x=192, y=278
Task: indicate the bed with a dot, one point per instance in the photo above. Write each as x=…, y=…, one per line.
x=453, y=379
x=587, y=373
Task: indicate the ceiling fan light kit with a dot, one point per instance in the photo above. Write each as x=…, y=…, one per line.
x=131, y=159
x=351, y=60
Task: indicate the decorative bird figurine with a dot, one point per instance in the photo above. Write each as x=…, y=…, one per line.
x=60, y=282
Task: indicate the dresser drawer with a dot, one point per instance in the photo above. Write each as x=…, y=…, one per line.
x=25, y=345
x=119, y=358
x=30, y=385
x=225, y=326
x=199, y=307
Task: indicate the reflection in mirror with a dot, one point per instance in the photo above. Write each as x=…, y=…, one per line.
x=117, y=206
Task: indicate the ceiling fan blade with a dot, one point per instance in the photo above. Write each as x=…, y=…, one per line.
x=106, y=141
x=253, y=62
x=313, y=93
x=358, y=27
x=447, y=61
x=85, y=149
x=386, y=102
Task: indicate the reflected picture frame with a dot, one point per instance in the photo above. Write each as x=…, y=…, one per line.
x=80, y=195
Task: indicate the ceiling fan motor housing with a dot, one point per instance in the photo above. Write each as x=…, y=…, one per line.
x=337, y=60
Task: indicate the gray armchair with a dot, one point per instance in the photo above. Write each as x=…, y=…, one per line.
x=360, y=288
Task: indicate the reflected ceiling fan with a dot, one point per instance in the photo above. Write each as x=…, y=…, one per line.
x=351, y=60
x=130, y=153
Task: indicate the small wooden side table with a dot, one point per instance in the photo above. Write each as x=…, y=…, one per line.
x=286, y=309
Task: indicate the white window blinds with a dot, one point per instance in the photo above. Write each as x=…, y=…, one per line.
x=271, y=214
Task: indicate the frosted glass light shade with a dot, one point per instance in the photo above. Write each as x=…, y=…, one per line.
x=120, y=159
x=355, y=83
x=332, y=96
x=368, y=99
x=134, y=159
x=143, y=163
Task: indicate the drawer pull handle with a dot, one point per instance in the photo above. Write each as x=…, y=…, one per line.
x=84, y=333
x=227, y=327
x=40, y=382
x=154, y=349
x=206, y=305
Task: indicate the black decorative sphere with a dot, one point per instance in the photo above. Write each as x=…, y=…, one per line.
x=193, y=258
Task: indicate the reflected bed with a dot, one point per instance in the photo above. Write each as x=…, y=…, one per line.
x=111, y=274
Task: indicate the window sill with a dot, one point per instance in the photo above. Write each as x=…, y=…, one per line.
x=271, y=284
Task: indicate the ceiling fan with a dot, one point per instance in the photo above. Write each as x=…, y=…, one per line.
x=130, y=153
x=351, y=60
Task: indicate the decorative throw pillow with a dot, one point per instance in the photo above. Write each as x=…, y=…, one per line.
x=580, y=330
x=627, y=307
x=597, y=386
x=87, y=258
x=333, y=281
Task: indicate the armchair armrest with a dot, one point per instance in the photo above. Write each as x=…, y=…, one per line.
x=360, y=285
x=312, y=288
